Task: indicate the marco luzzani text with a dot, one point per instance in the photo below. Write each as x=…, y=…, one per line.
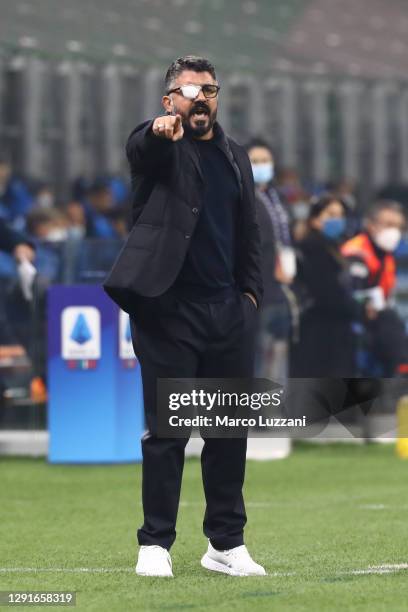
x=204, y=400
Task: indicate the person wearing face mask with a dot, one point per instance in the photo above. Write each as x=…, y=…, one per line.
x=15, y=197
x=373, y=271
x=370, y=253
x=278, y=266
x=44, y=196
x=325, y=346
x=290, y=188
x=48, y=229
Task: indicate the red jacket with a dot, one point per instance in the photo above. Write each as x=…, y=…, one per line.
x=380, y=272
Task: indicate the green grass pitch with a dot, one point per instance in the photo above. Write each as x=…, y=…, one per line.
x=314, y=520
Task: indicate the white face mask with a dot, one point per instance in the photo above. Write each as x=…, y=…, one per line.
x=45, y=200
x=76, y=232
x=57, y=235
x=388, y=239
x=263, y=173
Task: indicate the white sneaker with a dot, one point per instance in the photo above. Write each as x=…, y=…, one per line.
x=235, y=562
x=154, y=561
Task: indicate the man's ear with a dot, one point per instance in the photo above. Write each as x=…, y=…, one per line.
x=168, y=104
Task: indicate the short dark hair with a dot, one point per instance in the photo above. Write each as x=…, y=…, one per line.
x=318, y=204
x=258, y=142
x=380, y=205
x=99, y=185
x=39, y=216
x=188, y=62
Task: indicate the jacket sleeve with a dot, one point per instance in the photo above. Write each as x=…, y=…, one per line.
x=9, y=238
x=268, y=242
x=325, y=287
x=251, y=270
x=359, y=273
x=147, y=153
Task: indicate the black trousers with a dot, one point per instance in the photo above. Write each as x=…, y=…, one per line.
x=178, y=338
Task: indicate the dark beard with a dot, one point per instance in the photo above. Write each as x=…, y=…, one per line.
x=200, y=130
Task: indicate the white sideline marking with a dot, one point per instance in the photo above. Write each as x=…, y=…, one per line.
x=71, y=570
x=386, y=568
x=373, y=507
x=382, y=507
x=97, y=570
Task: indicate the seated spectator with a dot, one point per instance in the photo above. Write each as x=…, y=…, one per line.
x=44, y=196
x=75, y=214
x=79, y=188
x=119, y=217
x=97, y=206
x=14, y=247
x=290, y=186
x=120, y=190
x=15, y=198
x=48, y=228
x=373, y=271
x=48, y=225
x=118, y=186
x=293, y=193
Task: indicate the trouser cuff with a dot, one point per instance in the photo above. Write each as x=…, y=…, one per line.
x=146, y=539
x=225, y=543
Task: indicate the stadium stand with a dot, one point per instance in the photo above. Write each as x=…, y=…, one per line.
x=290, y=35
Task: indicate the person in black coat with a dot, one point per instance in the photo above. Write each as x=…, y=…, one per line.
x=15, y=243
x=325, y=347
x=19, y=247
x=168, y=187
x=189, y=276
x=278, y=266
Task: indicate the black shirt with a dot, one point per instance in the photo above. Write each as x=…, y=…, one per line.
x=208, y=271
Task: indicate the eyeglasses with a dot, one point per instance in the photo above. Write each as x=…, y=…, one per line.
x=191, y=91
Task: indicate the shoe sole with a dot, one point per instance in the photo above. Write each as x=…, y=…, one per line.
x=139, y=573
x=215, y=566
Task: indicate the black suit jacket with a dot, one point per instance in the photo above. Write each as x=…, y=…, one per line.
x=167, y=183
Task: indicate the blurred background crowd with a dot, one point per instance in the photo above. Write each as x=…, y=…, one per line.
x=316, y=90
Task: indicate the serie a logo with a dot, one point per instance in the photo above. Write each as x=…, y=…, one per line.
x=126, y=353
x=81, y=337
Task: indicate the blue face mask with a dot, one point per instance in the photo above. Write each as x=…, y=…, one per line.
x=334, y=228
x=263, y=173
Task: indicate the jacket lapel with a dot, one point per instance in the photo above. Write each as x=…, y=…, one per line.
x=242, y=168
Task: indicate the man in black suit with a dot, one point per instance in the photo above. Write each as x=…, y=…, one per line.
x=189, y=276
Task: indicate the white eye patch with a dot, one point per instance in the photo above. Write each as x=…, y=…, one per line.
x=190, y=91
